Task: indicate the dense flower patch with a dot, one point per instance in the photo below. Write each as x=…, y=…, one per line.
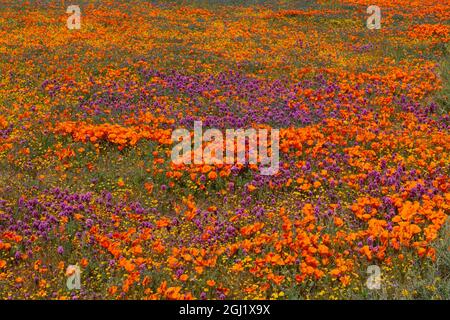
x=86, y=118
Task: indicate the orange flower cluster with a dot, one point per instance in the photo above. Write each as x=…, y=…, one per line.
x=435, y=32
x=3, y=122
x=123, y=136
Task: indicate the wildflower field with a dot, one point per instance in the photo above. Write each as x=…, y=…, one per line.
x=87, y=181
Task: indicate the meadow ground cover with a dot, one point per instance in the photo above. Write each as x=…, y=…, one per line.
x=87, y=115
